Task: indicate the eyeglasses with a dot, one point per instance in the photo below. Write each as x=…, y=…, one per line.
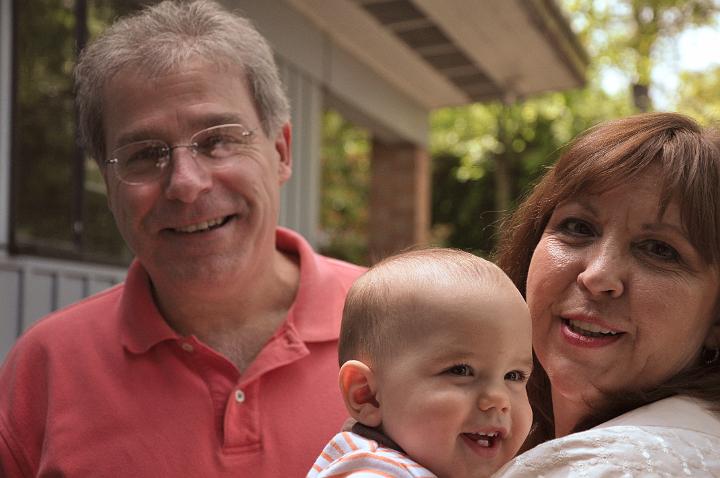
x=145, y=161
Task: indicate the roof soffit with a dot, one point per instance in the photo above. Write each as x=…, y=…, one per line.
x=443, y=53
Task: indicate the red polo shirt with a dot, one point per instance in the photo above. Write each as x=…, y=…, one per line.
x=106, y=388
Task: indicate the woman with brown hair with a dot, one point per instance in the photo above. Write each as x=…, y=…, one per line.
x=617, y=251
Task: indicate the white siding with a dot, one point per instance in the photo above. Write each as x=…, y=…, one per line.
x=30, y=288
x=10, y=311
x=385, y=110
x=300, y=196
x=9, y=283
x=5, y=95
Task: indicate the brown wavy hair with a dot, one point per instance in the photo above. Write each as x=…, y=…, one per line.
x=609, y=154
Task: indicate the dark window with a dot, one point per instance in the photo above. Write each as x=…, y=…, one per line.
x=58, y=205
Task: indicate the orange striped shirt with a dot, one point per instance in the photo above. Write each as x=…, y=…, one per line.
x=353, y=456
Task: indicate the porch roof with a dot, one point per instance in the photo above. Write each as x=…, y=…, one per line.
x=445, y=53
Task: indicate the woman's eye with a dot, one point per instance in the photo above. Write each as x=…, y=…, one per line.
x=463, y=370
x=516, y=376
x=660, y=249
x=576, y=227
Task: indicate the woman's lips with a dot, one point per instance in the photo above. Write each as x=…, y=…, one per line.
x=588, y=334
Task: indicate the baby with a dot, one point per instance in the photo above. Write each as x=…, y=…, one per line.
x=435, y=353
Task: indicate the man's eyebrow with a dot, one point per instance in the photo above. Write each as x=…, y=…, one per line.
x=196, y=125
x=218, y=119
x=134, y=136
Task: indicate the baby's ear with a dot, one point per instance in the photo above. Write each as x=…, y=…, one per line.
x=358, y=388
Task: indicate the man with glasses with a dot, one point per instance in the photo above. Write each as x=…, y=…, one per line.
x=217, y=356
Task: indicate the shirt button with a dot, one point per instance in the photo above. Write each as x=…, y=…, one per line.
x=239, y=396
x=187, y=347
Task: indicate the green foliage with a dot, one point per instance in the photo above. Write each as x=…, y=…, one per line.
x=43, y=146
x=469, y=142
x=345, y=189
x=699, y=96
x=46, y=216
x=624, y=35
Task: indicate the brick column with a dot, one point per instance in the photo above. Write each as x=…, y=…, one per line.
x=399, y=198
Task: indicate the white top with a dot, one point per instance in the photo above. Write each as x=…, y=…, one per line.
x=674, y=437
x=349, y=455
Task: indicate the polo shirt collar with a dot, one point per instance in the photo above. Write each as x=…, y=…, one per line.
x=317, y=309
x=142, y=325
x=314, y=315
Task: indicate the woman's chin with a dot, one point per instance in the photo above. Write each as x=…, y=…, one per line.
x=573, y=389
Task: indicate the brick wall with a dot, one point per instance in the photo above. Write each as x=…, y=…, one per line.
x=399, y=198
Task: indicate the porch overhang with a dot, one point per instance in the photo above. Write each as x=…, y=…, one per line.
x=447, y=53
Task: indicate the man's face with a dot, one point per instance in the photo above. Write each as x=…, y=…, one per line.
x=195, y=225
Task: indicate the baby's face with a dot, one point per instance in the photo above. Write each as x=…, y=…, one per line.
x=453, y=395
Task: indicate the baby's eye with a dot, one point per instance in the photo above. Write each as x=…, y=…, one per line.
x=516, y=376
x=463, y=370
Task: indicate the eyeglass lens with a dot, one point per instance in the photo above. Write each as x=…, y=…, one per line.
x=145, y=161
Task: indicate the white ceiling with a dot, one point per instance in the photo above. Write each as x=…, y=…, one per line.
x=451, y=52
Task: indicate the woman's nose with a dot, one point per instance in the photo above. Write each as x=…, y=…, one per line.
x=604, y=271
x=188, y=177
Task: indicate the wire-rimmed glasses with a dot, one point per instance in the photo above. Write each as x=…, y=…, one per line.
x=143, y=162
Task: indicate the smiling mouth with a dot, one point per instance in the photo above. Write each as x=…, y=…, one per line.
x=588, y=329
x=486, y=440
x=204, y=226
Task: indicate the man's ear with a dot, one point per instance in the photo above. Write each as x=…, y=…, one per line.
x=358, y=388
x=107, y=177
x=283, y=146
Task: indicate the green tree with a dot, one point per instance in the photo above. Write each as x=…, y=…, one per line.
x=55, y=210
x=43, y=145
x=698, y=95
x=468, y=144
x=625, y=35
x=345, y=189
x=485, y=156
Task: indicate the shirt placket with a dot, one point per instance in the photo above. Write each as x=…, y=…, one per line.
x=242, y=418
x=243, y=408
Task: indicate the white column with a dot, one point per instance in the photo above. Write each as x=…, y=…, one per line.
x=6, y=29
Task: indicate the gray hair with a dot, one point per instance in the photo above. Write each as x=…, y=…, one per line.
x=160, y=39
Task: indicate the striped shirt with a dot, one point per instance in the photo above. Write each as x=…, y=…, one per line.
x=353, y=456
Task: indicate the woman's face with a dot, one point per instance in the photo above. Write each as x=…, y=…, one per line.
x=619, y=297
